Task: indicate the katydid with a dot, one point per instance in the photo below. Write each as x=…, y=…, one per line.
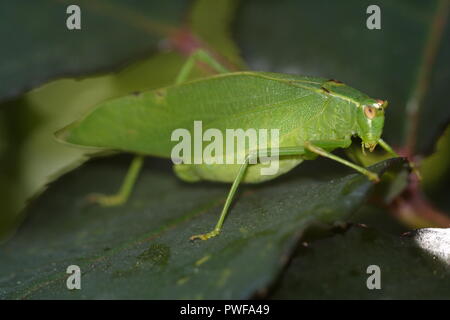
x=314, y=116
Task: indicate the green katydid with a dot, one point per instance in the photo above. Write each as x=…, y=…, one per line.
x=314, y=116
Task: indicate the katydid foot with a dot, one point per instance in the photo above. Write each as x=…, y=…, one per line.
x=205, y=236
x=372, y=176
x=107, y=200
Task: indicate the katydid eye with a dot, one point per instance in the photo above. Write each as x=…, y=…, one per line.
x=370, y=112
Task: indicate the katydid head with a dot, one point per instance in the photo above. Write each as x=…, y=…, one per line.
x=370, y=121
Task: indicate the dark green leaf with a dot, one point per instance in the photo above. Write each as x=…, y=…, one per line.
x=411, y=267
x=38, y=47
x=141, y=250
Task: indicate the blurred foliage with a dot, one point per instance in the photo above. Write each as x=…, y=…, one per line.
x=41, y=47
x=147, y=238
x=436, y=168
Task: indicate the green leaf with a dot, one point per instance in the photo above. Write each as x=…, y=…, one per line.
x=41, y=47
x=411, y=267
x=330, y=39
x=141, y=250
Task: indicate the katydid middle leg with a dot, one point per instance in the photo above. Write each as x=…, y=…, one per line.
x=224, y=212
x=286, y=151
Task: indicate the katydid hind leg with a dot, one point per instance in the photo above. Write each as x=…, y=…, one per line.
x=201, y=56
x=125, y=190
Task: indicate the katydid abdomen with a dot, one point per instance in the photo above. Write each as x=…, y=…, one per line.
x=228, y=172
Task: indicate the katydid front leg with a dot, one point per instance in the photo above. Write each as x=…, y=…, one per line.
x=391, y=151
x=133, y=172
x=315, y=148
